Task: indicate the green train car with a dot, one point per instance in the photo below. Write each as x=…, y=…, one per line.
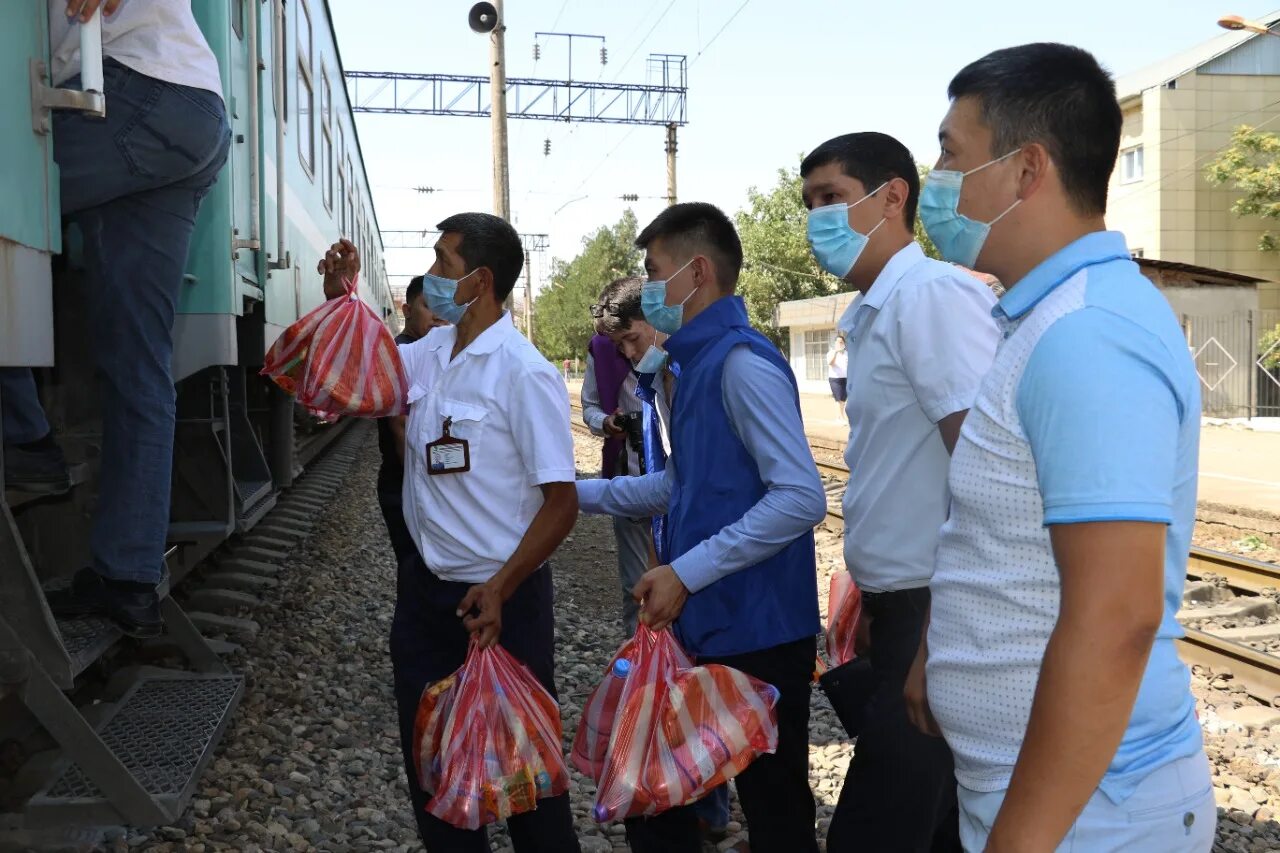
x=293, y=183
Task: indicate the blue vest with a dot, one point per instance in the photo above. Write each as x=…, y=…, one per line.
x=716, y=482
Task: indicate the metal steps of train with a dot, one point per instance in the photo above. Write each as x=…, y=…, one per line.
x=87, y=638
x=163, y=732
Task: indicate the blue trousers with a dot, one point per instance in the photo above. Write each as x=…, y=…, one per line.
x=22, y=415
x=133, y=182
x=428, y=642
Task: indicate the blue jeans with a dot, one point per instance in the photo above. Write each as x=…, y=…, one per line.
x=23, y=417
x=1171, y=811
x=133, y=182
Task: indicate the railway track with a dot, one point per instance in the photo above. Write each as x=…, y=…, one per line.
x=1256, y=670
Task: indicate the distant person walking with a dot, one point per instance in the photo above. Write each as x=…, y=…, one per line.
x=838, y=373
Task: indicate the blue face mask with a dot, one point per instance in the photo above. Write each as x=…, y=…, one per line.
x=440, y=292
x=653, y=302
x=834, y=242
x=654, y=359
x=959, y=239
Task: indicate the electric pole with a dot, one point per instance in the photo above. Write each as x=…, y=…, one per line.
x=498, y=91
x=528, y=297
x=671, y=164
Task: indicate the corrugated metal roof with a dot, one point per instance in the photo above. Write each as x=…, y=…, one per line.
x=1159, y=73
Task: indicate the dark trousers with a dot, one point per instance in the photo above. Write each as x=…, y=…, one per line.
x=402, y=544
x=900, y=791
x=774, y=791
x=428, y=643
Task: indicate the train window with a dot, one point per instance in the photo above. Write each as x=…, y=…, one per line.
x=237, y=18
x=326, y=141
x=304, y=37
x=342, y=184
x=351, y=195
x=306, y=94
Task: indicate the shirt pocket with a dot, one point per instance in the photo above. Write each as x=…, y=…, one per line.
x=470, y=423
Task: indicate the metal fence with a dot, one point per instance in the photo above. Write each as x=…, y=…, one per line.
x=1235, y=356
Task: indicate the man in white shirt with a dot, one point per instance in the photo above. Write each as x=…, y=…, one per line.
x=919, y=340
x=488, y=496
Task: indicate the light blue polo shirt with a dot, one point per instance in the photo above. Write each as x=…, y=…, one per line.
x=1091, y=412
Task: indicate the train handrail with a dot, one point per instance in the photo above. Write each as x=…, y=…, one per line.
x=90, y=98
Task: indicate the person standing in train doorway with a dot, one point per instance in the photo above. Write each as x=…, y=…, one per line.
x=1050, y=663
x=488, y=496
x=919, y=341
x=133, y=182
x=741, y=494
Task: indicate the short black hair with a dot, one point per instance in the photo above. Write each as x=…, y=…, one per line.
x=1059, y=96
x=414, y=290
x=699, y=229
x=873, y=159
x=488, y=241
x=619, y=305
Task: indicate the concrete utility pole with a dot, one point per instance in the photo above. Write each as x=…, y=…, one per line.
x=528, y=297
x=671, y=164
x=498, y=91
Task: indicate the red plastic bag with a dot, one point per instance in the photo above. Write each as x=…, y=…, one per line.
x=677, y=730
x=339, y=359
x=844, y=608
x=487, y=740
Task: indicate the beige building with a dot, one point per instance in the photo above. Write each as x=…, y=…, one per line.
x=1178, y=115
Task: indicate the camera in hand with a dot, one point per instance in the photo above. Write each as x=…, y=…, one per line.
x=631, y=424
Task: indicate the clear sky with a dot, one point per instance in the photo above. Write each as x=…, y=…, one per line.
x=777, y=81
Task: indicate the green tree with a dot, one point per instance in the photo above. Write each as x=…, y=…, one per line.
x=778, y=265
x=562, y=323
x=1269, y=346
x=1251, y=164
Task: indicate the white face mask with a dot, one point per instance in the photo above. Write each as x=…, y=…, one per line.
x=654, y=359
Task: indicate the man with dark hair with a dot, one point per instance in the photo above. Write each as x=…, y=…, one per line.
x=488, y=496
x=919, y=342
x=741, y=495
x=1050, y=657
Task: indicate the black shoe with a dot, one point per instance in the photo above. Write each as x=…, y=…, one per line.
x=134, y=607
x=38, y=472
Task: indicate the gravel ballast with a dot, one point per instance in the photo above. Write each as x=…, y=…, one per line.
x=312, y=760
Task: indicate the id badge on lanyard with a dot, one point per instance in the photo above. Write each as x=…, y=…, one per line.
x=448, y=454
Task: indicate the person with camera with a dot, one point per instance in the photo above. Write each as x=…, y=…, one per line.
x=611, y=409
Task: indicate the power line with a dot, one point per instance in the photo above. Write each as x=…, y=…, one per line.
x=693, y=61
x=558, y=14
x=640, y=43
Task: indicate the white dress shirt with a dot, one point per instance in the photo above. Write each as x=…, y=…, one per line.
x=919, y=343
x=512, y=407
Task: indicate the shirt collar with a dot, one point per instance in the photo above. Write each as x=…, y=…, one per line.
x=486, y=342
x=884, y=285
x=1094, y=248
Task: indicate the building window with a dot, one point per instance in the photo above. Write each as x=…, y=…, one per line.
x=326, y=141
x=1131, y=165
x=306, y=93
x=1136, y=253
x=816, y=344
